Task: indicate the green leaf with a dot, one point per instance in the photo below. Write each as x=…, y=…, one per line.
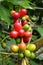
x=40, y=57
x=41, y=49
x=40, y=30
x=4, y=14
x=23, y=3
x=9, y=43
x=32, y=62
x=34, y=37
x=1, y=0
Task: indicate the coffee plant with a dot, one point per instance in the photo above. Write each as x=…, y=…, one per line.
x=21, y=32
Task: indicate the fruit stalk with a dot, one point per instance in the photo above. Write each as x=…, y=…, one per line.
x=4, y=38
x=23, y=62
x=38, y=53
x=39, y=42
x=27, y=61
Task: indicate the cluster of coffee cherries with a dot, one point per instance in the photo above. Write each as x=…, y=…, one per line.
x=23, y=31
x=21, y=27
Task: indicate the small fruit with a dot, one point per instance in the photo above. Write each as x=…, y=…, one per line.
x=32, y=56
x=27, y=53
x=27, y=17
x=12, y=12
x=26, y=27
x=26, y=39
x=24, y=22
x=21, y=33
x=31, y=47
x=28, y=34
x=14, y=48
x=18, y=40
x=3, y=45
x=21, y=55
x=16, y=15
x=23, y=18
x=22, y=46
x=13, y=34
x=23, y=12
x=17, y=26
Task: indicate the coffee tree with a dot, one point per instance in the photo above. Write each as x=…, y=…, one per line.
x=21, y=35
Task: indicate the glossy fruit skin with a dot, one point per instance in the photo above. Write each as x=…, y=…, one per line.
x=17, y=26
x=22, y=46
x=16, y=15
x=26, y=27
x=27, y=53
x=21, y=33
x=32, y=56
x=24, y=22
x=26, y=39
x=28, y=34
x=13, y=34
x=14, y=48
x=23, y=12
x=31, y=47
x=3, y=45
x=21, y=55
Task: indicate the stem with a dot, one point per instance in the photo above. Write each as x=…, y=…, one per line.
x=23, y=62
x=38, y=53
x=4, y=39
x=5, y=32
x=22, y=40
x=31, y=3
x=27, y=61
x=39, y=42
x=5, y=53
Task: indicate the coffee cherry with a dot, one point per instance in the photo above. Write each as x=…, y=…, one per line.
x=13, y=34
x=14, y=48
x=26, y=39
x=16, y=15
x=21, y=32
x=17, y=26
x=23, y=12
x=26, y=27
x=22, y=46
x=28, y=34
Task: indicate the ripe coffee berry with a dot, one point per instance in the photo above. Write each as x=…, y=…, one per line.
x=26, y=39
x=21, y=32
x=13, y=34
x=28, y=34
x=16, y=15
x=23, y=12
x=17, y=26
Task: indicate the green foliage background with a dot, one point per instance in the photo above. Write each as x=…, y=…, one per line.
x=35, y=11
